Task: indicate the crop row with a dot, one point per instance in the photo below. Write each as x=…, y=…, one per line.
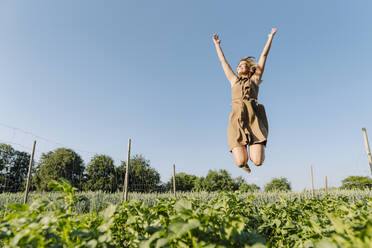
x=220, y=220
x=96, y=201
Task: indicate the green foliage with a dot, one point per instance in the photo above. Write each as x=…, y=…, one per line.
x=142, y=178
x=305, y=223
x=278, y=184
x=101, y=174
x=184, y=182
x=185, y=223
x=211, y=220
x=45, y=224
x=13, y=169
x=357, y=182
x=216, y=181
x=244, y=187
x=61, y=163
x=95, y=201
x=229, y=221
x=6, y=153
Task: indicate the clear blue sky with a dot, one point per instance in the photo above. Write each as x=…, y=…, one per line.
x=91, y=74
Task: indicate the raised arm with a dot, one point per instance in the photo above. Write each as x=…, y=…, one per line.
x=225, y=65
x=261, y=62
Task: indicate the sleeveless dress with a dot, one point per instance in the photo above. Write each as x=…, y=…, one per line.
x=247, y=122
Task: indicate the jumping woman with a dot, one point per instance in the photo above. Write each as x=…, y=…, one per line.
x=247, y=122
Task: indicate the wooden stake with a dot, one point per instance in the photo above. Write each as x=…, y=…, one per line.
x=312, y=180
x=326, y=185
x=125, y=186
x=367, y=148
x=174, y=180
x=29, y=172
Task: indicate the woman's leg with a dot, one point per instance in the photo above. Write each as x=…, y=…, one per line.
x=240, y=155
x=257, y=153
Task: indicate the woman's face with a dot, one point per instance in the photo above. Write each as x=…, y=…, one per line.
x=243, y=68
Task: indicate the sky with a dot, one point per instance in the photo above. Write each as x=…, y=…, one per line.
x=89, y=75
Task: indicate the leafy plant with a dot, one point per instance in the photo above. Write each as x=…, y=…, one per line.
x=45, y=224
x=199, y=219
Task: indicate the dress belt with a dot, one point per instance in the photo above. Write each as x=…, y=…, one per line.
x=243, y=99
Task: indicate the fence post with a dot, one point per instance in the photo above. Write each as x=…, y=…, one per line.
x=29, y=172
x=367, y=148
x=174, y=180
x=125, y=186
x=312, y=181
x=326, y=185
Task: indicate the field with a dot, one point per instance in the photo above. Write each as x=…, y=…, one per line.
x=199, y=219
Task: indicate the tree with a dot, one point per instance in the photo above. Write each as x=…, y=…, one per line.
x=120, y=175
x=184, y=182
x=142, y=178
x=101, y=174
x=14, y=167
x=60, y=163
x=216, y=180
x=278, y=184
x=6, y=153
x=18, y=171
x=244, y=187
x=357, y=182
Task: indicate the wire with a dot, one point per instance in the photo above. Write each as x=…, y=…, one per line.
x=40, y=137
x=48, y=140
x=14, y=143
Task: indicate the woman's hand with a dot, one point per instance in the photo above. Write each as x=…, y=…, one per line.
x=215, y=39
x=273, y=31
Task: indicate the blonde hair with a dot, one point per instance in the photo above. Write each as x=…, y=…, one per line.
x=251, y=64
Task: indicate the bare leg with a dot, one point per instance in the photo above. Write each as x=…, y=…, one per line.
x=240, y=155
x=257, y=153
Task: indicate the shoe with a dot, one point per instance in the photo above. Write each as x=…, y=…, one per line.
x=246, y=168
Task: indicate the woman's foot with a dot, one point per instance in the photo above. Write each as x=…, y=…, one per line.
x=246, y=168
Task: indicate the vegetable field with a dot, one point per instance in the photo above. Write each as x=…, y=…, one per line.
x=340, y=219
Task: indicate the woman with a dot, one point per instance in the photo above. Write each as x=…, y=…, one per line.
x=247, y=122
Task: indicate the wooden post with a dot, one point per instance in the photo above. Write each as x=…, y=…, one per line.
x=367, y=148
x=29, y=172
x=326, y=185
x=312, y=181
x=174, y=180
x=125, y=186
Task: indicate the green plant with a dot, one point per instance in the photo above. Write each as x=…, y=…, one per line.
x=46, y=224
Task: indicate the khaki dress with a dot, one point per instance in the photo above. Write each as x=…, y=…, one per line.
x=247, y=121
